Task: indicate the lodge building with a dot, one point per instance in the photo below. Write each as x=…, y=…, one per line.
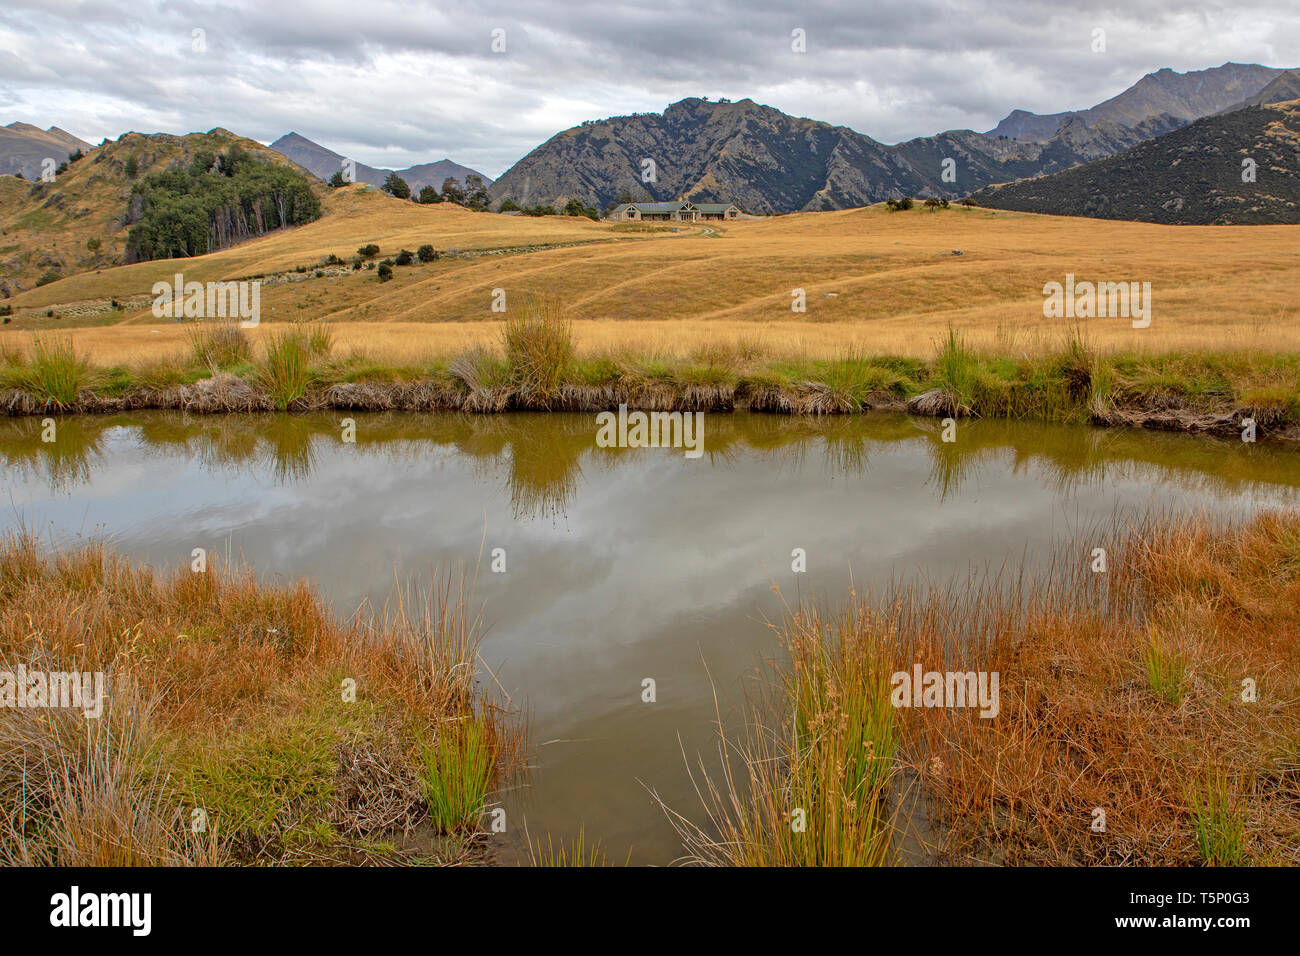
x=682, y=210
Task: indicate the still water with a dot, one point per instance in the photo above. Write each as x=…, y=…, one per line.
x=620, y=564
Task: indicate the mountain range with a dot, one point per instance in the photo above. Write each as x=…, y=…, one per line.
x=1182, y=96
x=1191, y=176
x=324, y=163
x=769, y=162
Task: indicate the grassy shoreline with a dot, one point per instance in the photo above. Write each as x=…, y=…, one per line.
x=537, y=368
x=243, y=723
x=1126, y=733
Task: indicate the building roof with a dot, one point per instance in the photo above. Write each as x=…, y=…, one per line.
x=671, y=207
x=653, y=207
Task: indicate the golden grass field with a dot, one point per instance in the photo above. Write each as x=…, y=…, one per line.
x=875, y=281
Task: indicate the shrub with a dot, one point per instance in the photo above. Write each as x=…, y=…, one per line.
x=404, y=258
x=368, y=251
x=509, y=205
x=396, y=186
x=898, y=205
x=50, y=275
x=426, y=253
x=385, y=271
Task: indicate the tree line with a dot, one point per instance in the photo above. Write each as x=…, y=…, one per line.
x=220, y=199
x=472, y=194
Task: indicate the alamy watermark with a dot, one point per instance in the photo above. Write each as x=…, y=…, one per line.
x=651, y=430
x=946, y=689
x=66, y=690
x=1099, y=300
x=209, y=300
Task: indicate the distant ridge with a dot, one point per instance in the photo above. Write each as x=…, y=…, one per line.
x=24, y=147
x=1181, y=96
x=324, y=163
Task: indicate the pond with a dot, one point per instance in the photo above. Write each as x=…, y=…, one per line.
x=620, y=564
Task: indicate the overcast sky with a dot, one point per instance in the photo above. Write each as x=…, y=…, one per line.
x=396, y=83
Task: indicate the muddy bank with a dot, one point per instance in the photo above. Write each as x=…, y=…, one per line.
x=225, y=393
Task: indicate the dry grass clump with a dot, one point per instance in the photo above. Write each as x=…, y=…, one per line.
x=220, y=345
x=538, y=341
x=296, y=734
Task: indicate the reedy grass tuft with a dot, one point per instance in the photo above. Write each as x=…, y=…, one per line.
x=284, y=370
x=1165, y=668
x=955, y=371
x=457, y=769
x=575, y=854
x=54, y=374
x=1218, y=821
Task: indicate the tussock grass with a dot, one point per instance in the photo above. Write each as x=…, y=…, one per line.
x=955, y=373
x=284, y=370
x=54, y=373
x=538, y=342
x=809, y=782
x=538, y=365
x=227, y=695
x=220, y=345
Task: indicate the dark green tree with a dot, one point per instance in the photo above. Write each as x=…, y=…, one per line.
x=476, y=194
x=452, y=191
x=395, y=185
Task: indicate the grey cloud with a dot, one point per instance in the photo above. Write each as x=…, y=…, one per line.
x=394, y=83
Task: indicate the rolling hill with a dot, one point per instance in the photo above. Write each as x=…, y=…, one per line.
x=878, y=281
x=81, y=221
x=1191, y=176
